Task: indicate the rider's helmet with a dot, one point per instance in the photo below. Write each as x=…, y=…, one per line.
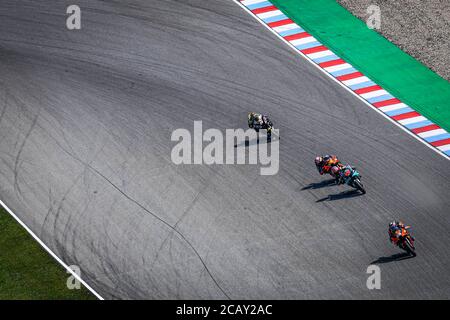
x=396, y=224
x=258, y=118
x=393, y=226
x=318, y=161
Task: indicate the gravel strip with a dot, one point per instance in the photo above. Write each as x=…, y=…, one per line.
x=421, y=28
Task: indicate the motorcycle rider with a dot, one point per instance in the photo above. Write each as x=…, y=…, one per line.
x=252, y=118
x=325, y=163
x=260, y=121
x=395, y=231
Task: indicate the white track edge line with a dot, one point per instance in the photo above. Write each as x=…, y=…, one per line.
x=339, y=82
x=76, y=276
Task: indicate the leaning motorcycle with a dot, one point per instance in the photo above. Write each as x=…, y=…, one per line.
x=354, y=180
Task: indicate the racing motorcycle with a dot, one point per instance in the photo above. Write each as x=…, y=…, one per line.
x=333, y=161
x=353, y=178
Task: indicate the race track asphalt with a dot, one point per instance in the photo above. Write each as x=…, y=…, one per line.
x=86, y=118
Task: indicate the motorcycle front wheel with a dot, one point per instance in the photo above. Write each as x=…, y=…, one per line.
x=409, y=248
x=358, y=185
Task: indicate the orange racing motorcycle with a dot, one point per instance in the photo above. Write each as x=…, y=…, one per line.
x=404, y=240
x=325, y=163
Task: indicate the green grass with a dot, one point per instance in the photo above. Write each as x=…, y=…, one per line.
x=27, y=271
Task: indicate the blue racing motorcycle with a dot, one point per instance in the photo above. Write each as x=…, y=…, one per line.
x=352, y=177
